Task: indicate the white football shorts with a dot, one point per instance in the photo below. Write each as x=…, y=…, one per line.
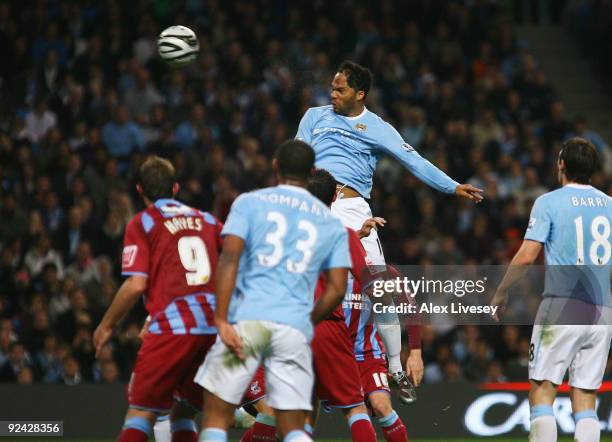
x=287, y=358
x=353, y=212
x=581, y=349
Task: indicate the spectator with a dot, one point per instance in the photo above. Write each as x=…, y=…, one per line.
x=38, y=122
x=72, y=233
x=140, y=100
x=581, y=130
x=187, y=131
x=42, y=254
x=71, y=371
x=122, y=136
x=517, y=366
x=18, y=359
x=25, y=376
x=13, y=219
x=109, y=372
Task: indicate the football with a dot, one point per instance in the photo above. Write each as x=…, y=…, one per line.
x=178, y=46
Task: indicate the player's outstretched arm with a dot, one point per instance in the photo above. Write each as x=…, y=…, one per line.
x=227, y=270
x=525, y=256
x=126, y=297
x=392, y=143
x=333, y=295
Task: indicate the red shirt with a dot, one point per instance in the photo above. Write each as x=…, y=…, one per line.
x=176, y=247
x=358, y=259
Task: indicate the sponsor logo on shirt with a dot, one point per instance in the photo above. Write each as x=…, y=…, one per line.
x=129, y=255
x=175, y=209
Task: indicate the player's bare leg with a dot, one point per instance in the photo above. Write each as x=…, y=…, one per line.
x=290, y=425
x=182, y=424
x=313, y=416
x=587, y=422
x=138, y=425
x=216, y=419
x=543, y=424
x=391, y=424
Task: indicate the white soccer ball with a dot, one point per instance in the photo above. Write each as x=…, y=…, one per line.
x=178, y=45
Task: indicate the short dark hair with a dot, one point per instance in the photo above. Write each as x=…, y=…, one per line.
x=157, y=178
x=581, y=159
x=295, y=159
x=322, y=184
x=358, y=77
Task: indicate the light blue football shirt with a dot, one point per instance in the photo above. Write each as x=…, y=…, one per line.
x=290, y=237
x=350, y=147
x=573, y=223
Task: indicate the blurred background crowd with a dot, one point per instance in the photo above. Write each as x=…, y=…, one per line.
x=84, y=99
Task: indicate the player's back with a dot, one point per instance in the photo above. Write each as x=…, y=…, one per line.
x=177, y=248
x=290, y=237
x=573, y=222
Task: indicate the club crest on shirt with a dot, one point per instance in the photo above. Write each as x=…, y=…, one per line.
x=532, y=222
x=129, y=255
x=255, y=388
x=361, y=127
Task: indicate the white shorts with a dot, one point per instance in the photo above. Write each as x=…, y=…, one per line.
x=353, y=212
x=583, y=349
x=287, y=360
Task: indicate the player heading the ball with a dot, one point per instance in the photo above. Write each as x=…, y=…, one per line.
x=348, y=140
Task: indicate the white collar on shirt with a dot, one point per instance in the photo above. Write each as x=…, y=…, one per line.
x=578, y=186
x=363, y=112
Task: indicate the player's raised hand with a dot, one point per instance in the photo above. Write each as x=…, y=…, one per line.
x=499, y=300
x=414, y=366
x=230, y=338
x=470, y=192
x=369, y=224
x=101, y=337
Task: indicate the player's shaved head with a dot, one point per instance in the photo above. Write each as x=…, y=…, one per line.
x=358, y=77
x=322, y=184
x=580, y=160
x=157, y=178
x=295, y=160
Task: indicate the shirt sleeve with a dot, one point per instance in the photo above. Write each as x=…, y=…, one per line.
x=135, y=257
x=237, y=222
x=392, y=143
x=339, y=256
x=304, y=132
x=538, y=228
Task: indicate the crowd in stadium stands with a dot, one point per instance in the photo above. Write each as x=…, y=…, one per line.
x=85, y=99
x=591, y=23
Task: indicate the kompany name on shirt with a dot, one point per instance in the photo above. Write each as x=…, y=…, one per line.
x=294, y=202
